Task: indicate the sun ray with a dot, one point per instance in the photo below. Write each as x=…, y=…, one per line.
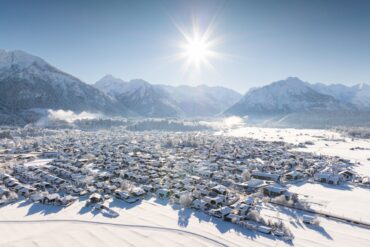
x=198, y=47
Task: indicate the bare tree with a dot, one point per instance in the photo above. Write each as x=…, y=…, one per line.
x=316, y=221
x=126, y=185
x=265, y=199
x=281, y=200
x=88, y=180
x=186, y=199
x=246, y=175
x=254, y=215
x=12, y=196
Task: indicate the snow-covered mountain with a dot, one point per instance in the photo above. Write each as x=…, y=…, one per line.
x=202, y=100
x=285, y=96
x=161, y=100
x=140, y=97
x=111, y=85
x=27, y=81
x=357, y=95
x=148, y=100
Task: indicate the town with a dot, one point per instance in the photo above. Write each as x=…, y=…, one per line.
x=224, y=177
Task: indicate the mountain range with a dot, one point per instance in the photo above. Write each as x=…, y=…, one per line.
x=168, y=101
x=293, y=102
x=28, y=83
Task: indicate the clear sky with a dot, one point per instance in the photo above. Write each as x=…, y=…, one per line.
x=259, y=41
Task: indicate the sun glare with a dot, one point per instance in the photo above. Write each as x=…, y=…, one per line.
x=196, y=51
x=198, y=48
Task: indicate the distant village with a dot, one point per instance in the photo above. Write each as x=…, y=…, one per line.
x=225, y=177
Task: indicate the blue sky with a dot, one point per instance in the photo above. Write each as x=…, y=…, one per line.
x=261, y=41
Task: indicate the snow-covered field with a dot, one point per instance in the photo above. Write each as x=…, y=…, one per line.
x=155, y=223
x=342, y=200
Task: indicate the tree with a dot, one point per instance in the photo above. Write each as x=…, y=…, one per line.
x=89, y=180
x=254, y=215
x=316, y=221
x=246, y=175
x=186, y=199
x=12, y=196
x=294, y=198
x=126, y=185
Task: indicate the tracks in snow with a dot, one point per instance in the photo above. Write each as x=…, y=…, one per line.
x=155, y=228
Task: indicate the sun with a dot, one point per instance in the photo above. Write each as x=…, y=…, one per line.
x=198, y=48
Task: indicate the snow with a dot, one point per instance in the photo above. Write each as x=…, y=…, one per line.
x=191, y=101
x=38, y=162
x=342, y=200
x=20, y=58
x=111, y=85
x=290, y=95
x=359, y=94
x=156, y=223
x=326, y=142
x=28, y=67
x=327, y=233
x=116, y=86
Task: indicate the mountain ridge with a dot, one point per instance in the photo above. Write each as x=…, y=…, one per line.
x=29, y=82
x=182, y=100
x=284, y=96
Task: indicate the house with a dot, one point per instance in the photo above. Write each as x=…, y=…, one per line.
x=327, y=177
x=148, y=188
x=200, y=204
x=234, y=218
x=243, y=209
x=264, y=229
x=137, y=191
x=366, y=180
x=125, y=196
x=95, y=198
x=50, y=154
x=308, y=219
x=219, y=189
x=274, y=190
x=278, y=233
x=121, y=195
x=265, y=176
x=251, y=186
x=293, y=175
x=217, y=201
x=67, y=200
x=37, y=198
x=249, y=201
x=103, y=176
x=163, y=193
x=51, y=199
x=220, y=212
x=109, y=189
x=25, y=191
x=347, y=175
